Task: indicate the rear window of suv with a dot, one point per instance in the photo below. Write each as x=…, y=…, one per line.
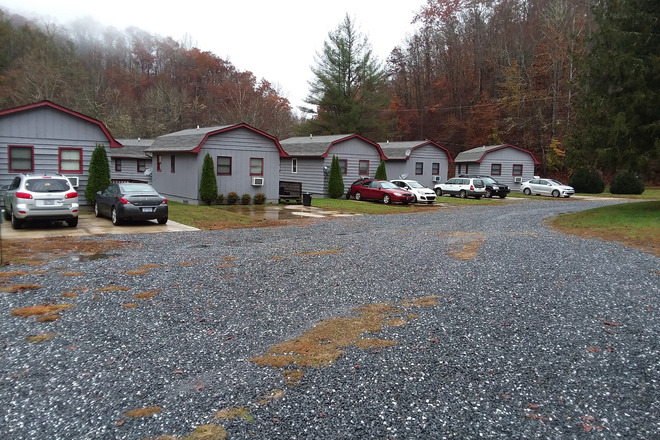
x=47, y=185
x=478, y=183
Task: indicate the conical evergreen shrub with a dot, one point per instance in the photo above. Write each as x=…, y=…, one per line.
x=99, y=174
x=381, y=171
x=336, y=180
x=208, y=184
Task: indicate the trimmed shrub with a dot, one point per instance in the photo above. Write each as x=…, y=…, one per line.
x=626, y=182
x=585, y=180
x=381, y=171
x=99, y=173
x=336, y=180
x=259, y=199
x=208, y=184
x=232, y=198
x=246, y=199
x=221, y=199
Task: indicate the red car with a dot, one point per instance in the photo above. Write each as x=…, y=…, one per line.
x=370, y=189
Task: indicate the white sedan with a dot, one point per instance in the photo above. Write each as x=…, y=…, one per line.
x=422, y=193
x=546, y=187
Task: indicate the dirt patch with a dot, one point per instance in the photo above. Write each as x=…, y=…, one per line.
x=37, y=252
x=466, y=245
x=143, y=412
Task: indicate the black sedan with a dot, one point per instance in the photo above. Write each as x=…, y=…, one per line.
x=131, y=201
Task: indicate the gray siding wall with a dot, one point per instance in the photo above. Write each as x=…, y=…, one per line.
x=507, y=157
x=241, y=145
x=128, y=169
x=183, y=184
x=428, y=155
x=310, y=170
x=47, y=129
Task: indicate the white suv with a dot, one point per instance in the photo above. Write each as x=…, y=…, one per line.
x=41, y=197
x=462, y=187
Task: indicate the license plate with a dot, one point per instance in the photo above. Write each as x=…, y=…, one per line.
x=49, y=202
x=147, y=209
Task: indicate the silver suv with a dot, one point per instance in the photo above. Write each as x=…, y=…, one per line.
x=41, y=197
x=462, y=187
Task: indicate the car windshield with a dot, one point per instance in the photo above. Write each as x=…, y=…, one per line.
x=489, y=180
x=388, y=185
x=137, y=187
x=415, y=184
x=554, y=182
x=47, y=185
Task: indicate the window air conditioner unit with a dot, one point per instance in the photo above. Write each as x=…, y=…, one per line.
x=436, y=178
x=517, y=179
x=74, y=181
x=257, y=181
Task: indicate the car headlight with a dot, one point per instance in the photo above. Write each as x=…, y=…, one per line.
x=496, y=188
x=397, y=194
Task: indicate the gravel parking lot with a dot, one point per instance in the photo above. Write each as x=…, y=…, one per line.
x=535, y=334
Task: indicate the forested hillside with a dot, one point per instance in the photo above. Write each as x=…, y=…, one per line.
x=138, y=84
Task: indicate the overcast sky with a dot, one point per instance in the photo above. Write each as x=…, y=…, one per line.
x=274, y=40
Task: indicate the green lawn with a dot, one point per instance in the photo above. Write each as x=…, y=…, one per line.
x=636, y=224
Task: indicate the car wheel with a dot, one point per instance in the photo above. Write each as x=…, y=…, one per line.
x=16, y=223
x=387, y=199
x=162, y=221
x=7, y=215
x=358, y=196
x=96, y=210
x=462, y=194
x=414, y=199
x=527, y=191
x=555, y=193
x=438, y=192
x=72, y=222
x=348, y=195
x=488, y=194
x=502, y=196
x=113, y=216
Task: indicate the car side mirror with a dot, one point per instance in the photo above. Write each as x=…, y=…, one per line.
x=98, y=193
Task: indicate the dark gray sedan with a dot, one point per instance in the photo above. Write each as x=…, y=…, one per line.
x=131, y=201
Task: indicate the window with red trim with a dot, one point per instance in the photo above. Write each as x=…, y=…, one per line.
x=419, y=168
x=21, y=158
x=364, y=168
x=435, y=168
x=159, y=162
x=141, y=165
x=256, y=166
x=517, y=169
x=496, y=169
x=70, y=160
x=343, y=166
x=223, y=166
x=118, y=165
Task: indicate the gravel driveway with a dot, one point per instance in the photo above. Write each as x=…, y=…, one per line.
x=541, y=335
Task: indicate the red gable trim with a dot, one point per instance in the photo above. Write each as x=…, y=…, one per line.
x=434, y=144
x=198, y=148
x=380, y=151
x=536, y=162
x=113, y=142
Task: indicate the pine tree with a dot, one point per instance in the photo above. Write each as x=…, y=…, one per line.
x=381, y=171
x=336, y=180
x=618, y=123
x=99, y=174
x=208, y=184
x=349, y=89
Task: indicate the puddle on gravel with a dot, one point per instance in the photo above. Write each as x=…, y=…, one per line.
x=91, y=257
x=265, y=212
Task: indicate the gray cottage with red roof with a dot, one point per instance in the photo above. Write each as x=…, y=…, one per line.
x=423, y=161
x=47, y=138
x=506, y=163
x=131, y=163
x=308, y=160
x=246, y=161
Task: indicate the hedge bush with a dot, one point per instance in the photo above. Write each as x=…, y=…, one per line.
x=259, y=198
x=626, y=182
x=221, y=199
x=246, y=199
x=232, y=198
x=585, y=180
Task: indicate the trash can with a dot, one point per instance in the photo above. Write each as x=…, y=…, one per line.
x=307, y=199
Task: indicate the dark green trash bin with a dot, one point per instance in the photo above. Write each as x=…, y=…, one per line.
x=307, y=199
